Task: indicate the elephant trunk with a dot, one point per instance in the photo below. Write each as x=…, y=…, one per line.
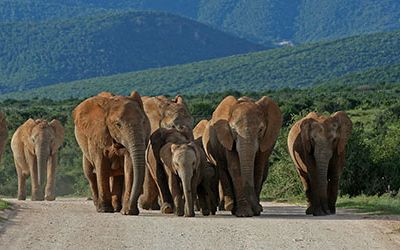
x=188, y=193
x=322, y=164
x=247, y=153
x=42, y=154
x=137, y=154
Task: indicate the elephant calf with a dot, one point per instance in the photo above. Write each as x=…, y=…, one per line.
x=317, y=147
x=35, y=145
x=185, y=172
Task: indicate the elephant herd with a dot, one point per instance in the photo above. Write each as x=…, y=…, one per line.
x=144, y=151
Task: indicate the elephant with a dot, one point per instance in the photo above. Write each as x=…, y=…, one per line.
x=317, y=147
x=184, y=164
x=112, y=132
x=35, y=145
x=239, y=139
x=3, y=133
x=163, y=113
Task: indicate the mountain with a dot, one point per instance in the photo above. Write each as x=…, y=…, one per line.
x=36, y=54
x=355, y=60
x=260, y=21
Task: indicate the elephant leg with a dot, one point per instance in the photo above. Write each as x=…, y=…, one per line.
x=260, y=175
x=242, y=206
x=103, y=168
x=50, y=194
x=164, y=191
x=203, y=203
x=333, y=187
x=91, y=177
x=117, y=183
x=37, y=193
x=307, y=189
x=149, y=198
x=176, y=194
x=226, y=192
x=21, y=184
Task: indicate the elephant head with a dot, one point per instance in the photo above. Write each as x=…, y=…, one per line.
x=43, y=140
x=184, y=160
x=247, y=127
x=323, y=139
x=166, y=113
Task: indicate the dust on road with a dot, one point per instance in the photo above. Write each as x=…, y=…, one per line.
x=74, y=224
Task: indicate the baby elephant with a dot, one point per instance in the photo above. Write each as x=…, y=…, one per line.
x=317, y=147
x=182, y=171
x=35, y=146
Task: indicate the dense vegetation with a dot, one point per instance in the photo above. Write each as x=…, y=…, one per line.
x=354, y=60
x=372, y=155
x=261, y=21
x=38, y=54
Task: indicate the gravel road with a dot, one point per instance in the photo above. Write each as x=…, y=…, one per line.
x=73, y=224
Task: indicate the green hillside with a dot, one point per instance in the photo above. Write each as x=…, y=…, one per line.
x=37, y=54
x=260, y=21
x=300, y=66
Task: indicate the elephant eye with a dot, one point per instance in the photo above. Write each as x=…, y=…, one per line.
x=118, y=124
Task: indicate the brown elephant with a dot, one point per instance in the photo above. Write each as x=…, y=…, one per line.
x=184, y=164
x=113, y=131
x=317, y=146
x=163, y=113
x=239, y=139
x=3, y=133
x=35, y=146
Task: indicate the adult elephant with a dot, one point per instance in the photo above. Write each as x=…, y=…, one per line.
x=164, y=113
x=35, y=146
x=3, y=133
x=239, y=139
x=317, y=146
x=105, y=125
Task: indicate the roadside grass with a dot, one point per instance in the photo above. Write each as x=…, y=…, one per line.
x=3, y=205
x=379, y=205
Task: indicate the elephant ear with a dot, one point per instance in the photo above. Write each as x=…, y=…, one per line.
x=345, y=128
x=58, y=133
x=273, y=117
x=224, y=134
x=223, y=110
x=305, y=127
x=179, y=99
x=26, y=130
x=199, y=129
x=136, y=97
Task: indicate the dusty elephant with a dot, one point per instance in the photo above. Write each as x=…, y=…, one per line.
x=163, y=113
x=35, y=146
x=113, y=131
x=3, y=133
x=317, y=147
x=239, y=140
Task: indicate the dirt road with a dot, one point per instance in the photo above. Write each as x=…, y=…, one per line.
x=74, y=224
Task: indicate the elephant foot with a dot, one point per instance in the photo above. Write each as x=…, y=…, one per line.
x=145, y=204
x=133, y=211
x=257, y=209
x=21, y=197
x=50, y=197
x=228, y=203
x=320, y=212
x=37, y=198
x=117, y=208
x=332, y=209
x=190, y=214
x=166, y=208
x=105, y=208
x=309, y=210
x=155, y=206
x=205, y=212
x=244, y=211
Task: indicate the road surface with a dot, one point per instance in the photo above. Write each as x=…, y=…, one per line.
x=73, y=224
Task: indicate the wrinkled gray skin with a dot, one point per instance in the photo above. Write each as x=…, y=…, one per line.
x=35, y=145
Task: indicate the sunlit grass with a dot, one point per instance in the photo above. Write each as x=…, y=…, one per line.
x=384, y=204
x=3, y=205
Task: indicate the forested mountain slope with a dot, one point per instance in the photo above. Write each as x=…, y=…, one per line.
x=37, y=54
